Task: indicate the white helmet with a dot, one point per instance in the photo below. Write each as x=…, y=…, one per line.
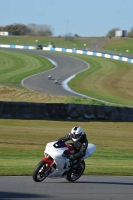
x=76, y=133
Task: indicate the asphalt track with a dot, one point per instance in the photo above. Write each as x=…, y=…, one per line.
x=65, y=67
x=87, y=187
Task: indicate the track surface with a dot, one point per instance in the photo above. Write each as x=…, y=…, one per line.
x=87, y=187
x=66, y=67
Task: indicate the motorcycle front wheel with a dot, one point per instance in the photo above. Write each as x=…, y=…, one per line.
x=76, y=173
x=40, y=172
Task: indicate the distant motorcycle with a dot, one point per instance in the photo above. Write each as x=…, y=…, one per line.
x=50, y=76
x=56, y=163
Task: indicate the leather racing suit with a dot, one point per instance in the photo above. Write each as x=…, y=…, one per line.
x=80, y=145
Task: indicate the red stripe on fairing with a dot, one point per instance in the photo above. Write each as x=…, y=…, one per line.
x=48, y=161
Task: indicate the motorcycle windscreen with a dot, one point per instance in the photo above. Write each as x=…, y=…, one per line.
x=59, y=144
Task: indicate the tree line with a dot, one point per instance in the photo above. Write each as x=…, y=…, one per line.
x=44, y=30
x=31, y=29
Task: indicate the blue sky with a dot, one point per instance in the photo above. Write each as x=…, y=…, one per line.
x=82, y=17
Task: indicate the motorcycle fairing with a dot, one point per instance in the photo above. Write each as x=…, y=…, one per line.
x=48, y=161
x=90, y=149
x=54, y=152
x=59, y=159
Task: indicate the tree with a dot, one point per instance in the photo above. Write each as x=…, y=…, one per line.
x=111, y=33
x=44, y=30
x=130, y=34
x=76, y=35
x=16, y=29
x=31, y=29
x=41, y=30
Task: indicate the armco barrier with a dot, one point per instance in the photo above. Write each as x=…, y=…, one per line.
x=12, y=46
x=58, y=111
x=92, y=53
x=84, y=52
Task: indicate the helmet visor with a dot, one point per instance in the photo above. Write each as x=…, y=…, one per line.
x=76, y=136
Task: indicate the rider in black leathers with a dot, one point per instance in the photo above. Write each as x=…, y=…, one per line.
x=80, y=142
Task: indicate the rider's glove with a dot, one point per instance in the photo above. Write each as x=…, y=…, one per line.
x=71, y=157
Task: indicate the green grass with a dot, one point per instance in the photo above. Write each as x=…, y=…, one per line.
x=31, y=41
x=22, y=143
x=14, y=66
x=106, y=79
x=119, y=45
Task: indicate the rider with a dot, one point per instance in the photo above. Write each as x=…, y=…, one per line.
x=80, y=142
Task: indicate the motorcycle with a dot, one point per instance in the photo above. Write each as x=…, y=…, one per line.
x=56, y=163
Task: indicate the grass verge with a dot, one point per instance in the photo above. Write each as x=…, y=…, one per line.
x=106, y=79
x=22, y=143
x=36, y=40
x=120, y=45
x=15, y=66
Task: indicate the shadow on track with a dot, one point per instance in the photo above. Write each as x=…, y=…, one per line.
x=106, y=183
x=15, y=195
x=92, y=182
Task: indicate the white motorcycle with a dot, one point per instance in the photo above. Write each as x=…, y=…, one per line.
x=55, y=164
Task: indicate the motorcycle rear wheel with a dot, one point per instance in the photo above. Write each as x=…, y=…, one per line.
x=74, y=176
x=40, y=173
